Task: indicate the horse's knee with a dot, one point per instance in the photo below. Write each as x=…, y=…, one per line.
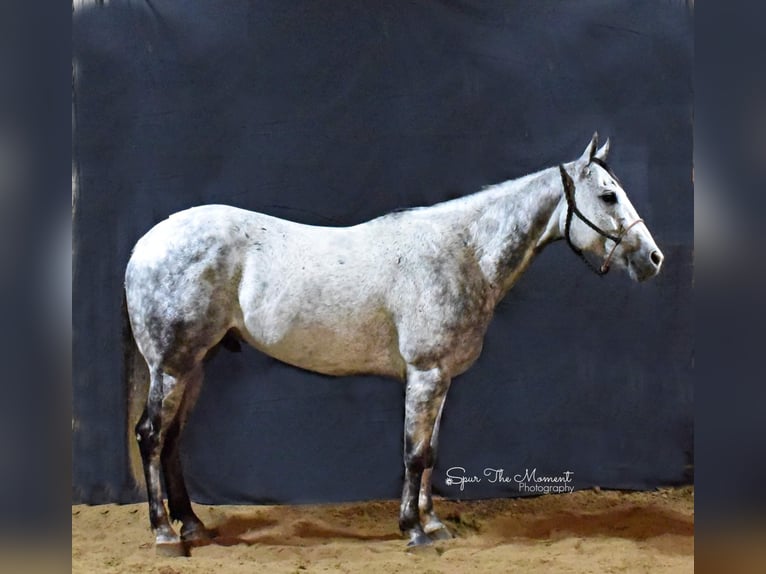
x=418, y=457
x=419, y=461
x=145, y=435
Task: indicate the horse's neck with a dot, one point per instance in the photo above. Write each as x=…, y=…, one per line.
x=515, y=220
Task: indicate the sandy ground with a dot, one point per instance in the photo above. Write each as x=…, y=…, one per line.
x=585, y=531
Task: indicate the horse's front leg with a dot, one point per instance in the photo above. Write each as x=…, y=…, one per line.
x=432, y=526
x=423, y=401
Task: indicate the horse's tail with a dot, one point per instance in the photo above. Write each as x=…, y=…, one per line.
x=136, y=381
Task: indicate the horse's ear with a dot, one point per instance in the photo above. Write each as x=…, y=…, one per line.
x=603, y=151
x=590, y=151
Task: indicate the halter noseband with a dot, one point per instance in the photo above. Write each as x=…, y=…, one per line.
x=569, y=189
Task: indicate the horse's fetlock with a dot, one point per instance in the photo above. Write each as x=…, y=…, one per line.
x=409, y=519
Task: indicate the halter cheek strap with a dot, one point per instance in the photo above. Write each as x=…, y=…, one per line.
x=569, y=189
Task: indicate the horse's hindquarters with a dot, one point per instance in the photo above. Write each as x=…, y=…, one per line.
x=181, y=284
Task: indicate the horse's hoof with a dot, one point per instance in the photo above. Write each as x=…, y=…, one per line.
x=436, y=529
x=199, y=534
x=441, y=533
x=419, y=540
x=174, y=549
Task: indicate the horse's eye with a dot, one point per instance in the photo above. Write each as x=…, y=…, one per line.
x=609, y=197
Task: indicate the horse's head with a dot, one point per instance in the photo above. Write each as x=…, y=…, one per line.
x=600, y=219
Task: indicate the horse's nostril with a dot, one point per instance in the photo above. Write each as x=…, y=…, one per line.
x=656, y=258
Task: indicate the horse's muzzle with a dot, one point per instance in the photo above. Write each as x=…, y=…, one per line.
x=645, y=264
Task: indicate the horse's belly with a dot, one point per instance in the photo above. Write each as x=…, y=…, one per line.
x=365, y=348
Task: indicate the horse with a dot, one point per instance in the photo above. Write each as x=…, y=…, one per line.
x=408, y=295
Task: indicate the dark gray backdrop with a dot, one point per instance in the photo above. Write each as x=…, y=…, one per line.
x=332, y=113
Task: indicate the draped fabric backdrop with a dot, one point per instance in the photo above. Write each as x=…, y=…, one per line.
x=332, y=113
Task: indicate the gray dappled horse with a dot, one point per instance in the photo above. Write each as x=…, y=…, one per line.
x=408, y=295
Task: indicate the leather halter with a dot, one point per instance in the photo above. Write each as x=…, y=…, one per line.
x=569, y=189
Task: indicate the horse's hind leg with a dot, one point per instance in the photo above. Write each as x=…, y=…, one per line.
x=163, y=403
x=423, y=401
x=432, y=526
x=192, y=528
